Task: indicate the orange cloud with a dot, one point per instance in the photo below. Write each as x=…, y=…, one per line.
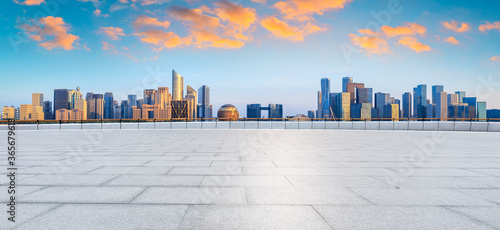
x=112, y=32
x=107, y=46
x=495, y=58
x=303, y=10
x=30, y=2
x=370, y=44
x=283, y=30
x=259, y=1
x=453, y=25
x=489, y=26
x=145, y=21
x=412, y=43
x=407, y=29
x=235, y=14
x=169, y=39
x=52, y=31
x=452, y=40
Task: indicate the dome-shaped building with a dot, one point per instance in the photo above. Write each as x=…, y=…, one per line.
x=228, y=112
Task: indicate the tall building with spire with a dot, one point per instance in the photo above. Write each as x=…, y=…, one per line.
x=74, y=95
x=177, y=86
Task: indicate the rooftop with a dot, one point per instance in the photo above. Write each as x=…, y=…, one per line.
x=254, y=179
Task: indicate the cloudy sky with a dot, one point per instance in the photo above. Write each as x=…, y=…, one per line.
x=248, y=51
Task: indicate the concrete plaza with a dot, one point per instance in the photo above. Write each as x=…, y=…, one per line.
x=253, y=179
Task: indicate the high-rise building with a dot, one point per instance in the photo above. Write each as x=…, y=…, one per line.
x=441, y=105
x=180, y=109
x=275, y=111
x=364, y=95
x=95, y=106
x=493, y=114
x=481, y=110
x=391, y=111
x=90, y=105
x=310, y=114
x=26, y=111
x=345, y=81
x=343, y=105
x=435, y=90
x=431, y=111
x=204, y=107
x=81, y=105
x=472, y=102
x=325, y=101
x=352, y=88
x=132, y=101
x=17, y=114
x=253, y=111
x=192, y=97
x=37, y=99
x=74, y=95
x=163, y=97
x=61, y=97
x=420, y=101
x=47, y=110
x=125, y=109
x=149, y=97
x=407, y=105
x=361, y=110
x=461, y=95
x=109, y=106
x=318, y=112
x=66, y=114
x=117, y=111
x=177, y=86
x=8, y=113
x=381, y=99
x=453, y=99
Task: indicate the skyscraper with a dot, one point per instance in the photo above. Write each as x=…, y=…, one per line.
x=407, y=105
x=163, y=97
x=99, y=106
x=343, y=105
x=108, y=105
x=132, y=101
x=318, y=112
x=192, y=97
x=205, y=109
x=275, y=111
x=177, y=86
x=381, y=99
x=61, y=98
x=90, y=105
x=345, y=81
x=117, y=110
x=74, y=95
x=37, y=99
x=461, y=95
x=481, y=110
x=364, y=95
x=472, y=102
x=325, y=101
x=149, y=97
x=453, y=99
x=441, y=105
x=310, y=114
x=81, y=104
x=352, y=88
x=435, y=90
x=47, y=110
x=253, y=111
x=420, y=101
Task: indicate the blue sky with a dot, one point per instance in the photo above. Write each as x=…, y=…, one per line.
x=250, y=51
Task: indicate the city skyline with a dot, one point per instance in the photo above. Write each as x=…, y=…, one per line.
x=265, y=61
x=354, y=101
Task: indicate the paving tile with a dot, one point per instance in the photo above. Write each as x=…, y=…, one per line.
x=336, y=181
x=190, y=195
x=206, y=170
x=155, y=180
x=421, y=197
x=72, y=180
x=131, y=170
x=252, y=217
x=395, y=217
x=303, y=196
x=25, y=212
x=246, y=181
x=83, y=194
x=485, y=215
x=110, y=216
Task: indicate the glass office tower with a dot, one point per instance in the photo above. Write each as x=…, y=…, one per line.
x=325, y=101
x=435, y=90
x=108, y=106
x=177, y=86
x=345, y=81
x=420, y=101
x=407, y=105
x=61, y=97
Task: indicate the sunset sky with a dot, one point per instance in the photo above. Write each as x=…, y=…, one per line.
x=248, y=51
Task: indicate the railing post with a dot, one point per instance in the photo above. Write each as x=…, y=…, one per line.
x=101, y=123
x=37, y=124
x=120, y=123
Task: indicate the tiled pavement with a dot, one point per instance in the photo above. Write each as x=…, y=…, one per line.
x=254, y=179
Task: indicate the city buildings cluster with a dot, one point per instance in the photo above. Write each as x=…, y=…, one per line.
x=356, y=102
x=156, y=104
